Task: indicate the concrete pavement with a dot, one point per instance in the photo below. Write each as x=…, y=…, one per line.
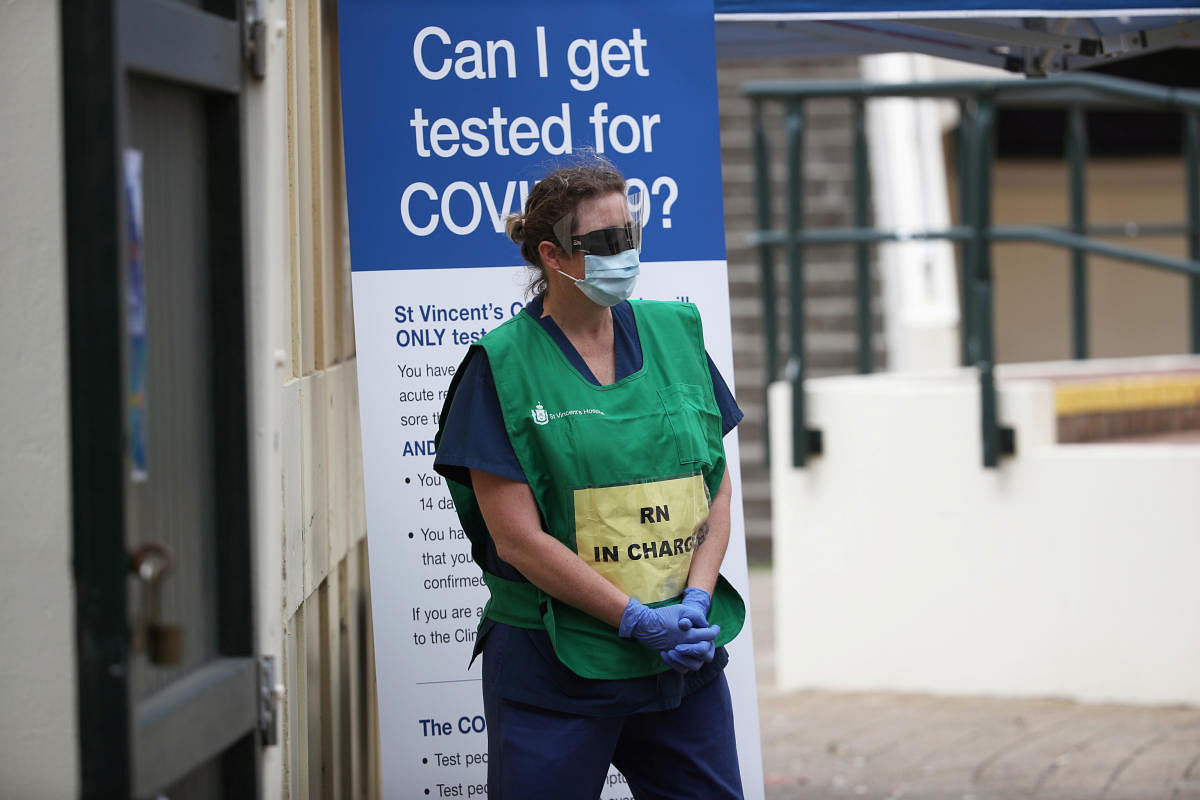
x=825, y=745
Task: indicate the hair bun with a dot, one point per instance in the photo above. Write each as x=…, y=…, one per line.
x=514, y=226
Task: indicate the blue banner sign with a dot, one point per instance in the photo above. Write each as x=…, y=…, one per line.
x=451, y=112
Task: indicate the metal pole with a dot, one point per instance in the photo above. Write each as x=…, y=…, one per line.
x=966, y=122
x=981, y=274
x=766, y=264
x=1077, y=153
x=973, y=245
x=862, y=263
x=1066, y=239
x=1191, y=149
x=1047, y=92
x=795, y=223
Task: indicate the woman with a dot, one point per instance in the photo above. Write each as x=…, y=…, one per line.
x=582, y=444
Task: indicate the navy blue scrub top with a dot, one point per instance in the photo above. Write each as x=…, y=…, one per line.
x=473, y=437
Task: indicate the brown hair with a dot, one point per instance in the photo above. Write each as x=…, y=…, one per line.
x=551, y=199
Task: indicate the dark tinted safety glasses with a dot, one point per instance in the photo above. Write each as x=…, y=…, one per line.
x=606, y=241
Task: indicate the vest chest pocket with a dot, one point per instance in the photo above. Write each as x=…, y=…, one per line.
x=687, y=409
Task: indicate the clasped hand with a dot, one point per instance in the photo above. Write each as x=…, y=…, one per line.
x=680, y=633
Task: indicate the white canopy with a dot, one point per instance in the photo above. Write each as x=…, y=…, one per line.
x=1018, y=36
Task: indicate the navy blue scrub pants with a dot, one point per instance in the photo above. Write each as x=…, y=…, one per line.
x=686, y=753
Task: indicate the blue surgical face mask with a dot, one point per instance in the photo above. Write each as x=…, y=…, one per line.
x=608, y=279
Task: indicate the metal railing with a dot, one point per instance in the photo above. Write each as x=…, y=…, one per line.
x=1077, y=93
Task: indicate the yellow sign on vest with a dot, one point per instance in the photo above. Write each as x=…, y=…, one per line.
x=641, y=536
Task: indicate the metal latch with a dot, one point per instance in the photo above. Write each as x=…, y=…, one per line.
x=269, y=695
x=150, y=563
x=254, y=38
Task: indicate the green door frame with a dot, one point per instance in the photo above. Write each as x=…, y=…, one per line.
x=103, y=41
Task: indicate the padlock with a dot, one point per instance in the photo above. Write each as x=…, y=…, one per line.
x=165, y=644
x=162, y=643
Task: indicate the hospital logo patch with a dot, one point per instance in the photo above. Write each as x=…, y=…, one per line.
x=541, y=416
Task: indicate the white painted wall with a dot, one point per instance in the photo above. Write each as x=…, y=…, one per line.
x=38, y=731
x=903, y=564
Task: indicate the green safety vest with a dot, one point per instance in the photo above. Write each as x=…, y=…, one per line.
x=622, y=475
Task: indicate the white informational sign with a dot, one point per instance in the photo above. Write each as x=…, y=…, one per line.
x=451, y=112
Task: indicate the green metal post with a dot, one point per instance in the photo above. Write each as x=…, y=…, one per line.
x=1077, y=153
x=966, y=122
x=862, y=263
x=973, y=245
x=1191, y=149
x=766, y=264
x=980, y=345
x=795, y=223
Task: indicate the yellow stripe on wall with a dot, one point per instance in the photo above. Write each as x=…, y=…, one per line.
x=1127, y=394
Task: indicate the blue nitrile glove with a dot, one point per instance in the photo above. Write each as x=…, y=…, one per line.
x=699, y=599
x=664, y=627
x=685, y=658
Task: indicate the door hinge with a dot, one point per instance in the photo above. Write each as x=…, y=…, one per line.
x=269, y=695
x=254, y=38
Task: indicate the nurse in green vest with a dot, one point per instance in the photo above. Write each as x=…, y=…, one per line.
x=582, y=443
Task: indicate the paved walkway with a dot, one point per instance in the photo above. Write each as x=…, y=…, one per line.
x=819, y=745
